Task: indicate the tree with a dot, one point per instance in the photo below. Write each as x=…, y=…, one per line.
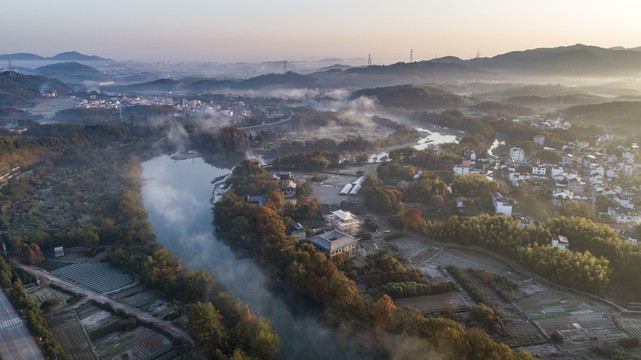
x=382, y=311
x=303, y=189
x=203, y=323
x=413, y=220
x=32, y=254
x=557, y=337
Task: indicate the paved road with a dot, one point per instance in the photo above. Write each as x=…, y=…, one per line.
x=15, y=340
x=92, y=295
x=254, y=127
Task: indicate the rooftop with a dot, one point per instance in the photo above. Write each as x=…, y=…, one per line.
x=333, y=240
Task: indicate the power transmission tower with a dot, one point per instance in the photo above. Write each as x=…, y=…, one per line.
x=369, y=59
x=284, y=66
x=10, y=69
x=411, y=55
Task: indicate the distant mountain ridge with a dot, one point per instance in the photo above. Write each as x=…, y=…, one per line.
x=64, y=56
x=413, y=97
x=575, y=60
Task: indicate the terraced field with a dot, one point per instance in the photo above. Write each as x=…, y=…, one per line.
x=100, y=277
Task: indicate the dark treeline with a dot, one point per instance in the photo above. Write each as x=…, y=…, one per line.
x=260, y=229
x=597, y=238
x=226, y=140
x=412, y=288
x=50, y=142
x=529, y=246
x=130, y=114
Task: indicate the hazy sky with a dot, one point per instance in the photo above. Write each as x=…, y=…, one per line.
x=256, y=30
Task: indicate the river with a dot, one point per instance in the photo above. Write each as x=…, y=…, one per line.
x=177, y=197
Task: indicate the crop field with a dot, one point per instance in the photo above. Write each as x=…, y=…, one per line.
x=632, y=325
x=150, y=301
x=73, y=340
x=71, y=335
x=101, y=277
x=582, y=323
x=46, y=293
x=141, y=343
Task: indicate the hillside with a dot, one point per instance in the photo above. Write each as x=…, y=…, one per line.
x=21, y=56
x=420, y=72
x=65, y=56
x=624, y=116
x=413, y=97
x=575, y=60
x=76, y=56
x=18, y=90
x=68, y=68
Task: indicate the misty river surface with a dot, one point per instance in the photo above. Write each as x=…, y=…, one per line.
x=177, y=198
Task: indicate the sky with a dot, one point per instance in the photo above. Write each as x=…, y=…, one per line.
x=260, y=30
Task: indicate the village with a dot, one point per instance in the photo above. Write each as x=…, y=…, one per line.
x=594, y=173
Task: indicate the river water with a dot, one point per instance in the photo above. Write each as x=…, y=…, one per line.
x=177, y=197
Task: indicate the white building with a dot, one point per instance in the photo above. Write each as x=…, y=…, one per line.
x=561, y=242
x=539, y=170
x=502, y=204
x=539, y=140
x=58, y=251
x=628, y=156
x=623, y=215
x=564, y=193
x=461, y=170
x=517, y=154
x=343, y=221
x=623, y=201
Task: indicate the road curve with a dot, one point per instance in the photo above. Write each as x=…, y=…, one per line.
x=92, y=295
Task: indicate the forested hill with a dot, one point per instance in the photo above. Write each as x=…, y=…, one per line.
x=414, y=97
x=623, y=114
x=575, y=60
x=18, y=89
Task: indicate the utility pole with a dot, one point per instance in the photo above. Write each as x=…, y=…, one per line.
x=369, y=59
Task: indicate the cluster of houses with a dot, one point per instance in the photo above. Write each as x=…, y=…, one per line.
x=582, y=174
x=228, y=109
x=336, y=237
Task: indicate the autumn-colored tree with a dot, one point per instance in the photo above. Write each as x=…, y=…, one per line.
x=382, y=311
x=32, y=254
x=413, y=220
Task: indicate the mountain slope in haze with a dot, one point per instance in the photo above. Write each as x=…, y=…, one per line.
x=21, y=56
x=18, y=89
x=76, y=56
x=68, y=68
x=575, y=60
x=414, y=97
x=421, y=72
x=65, y=56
